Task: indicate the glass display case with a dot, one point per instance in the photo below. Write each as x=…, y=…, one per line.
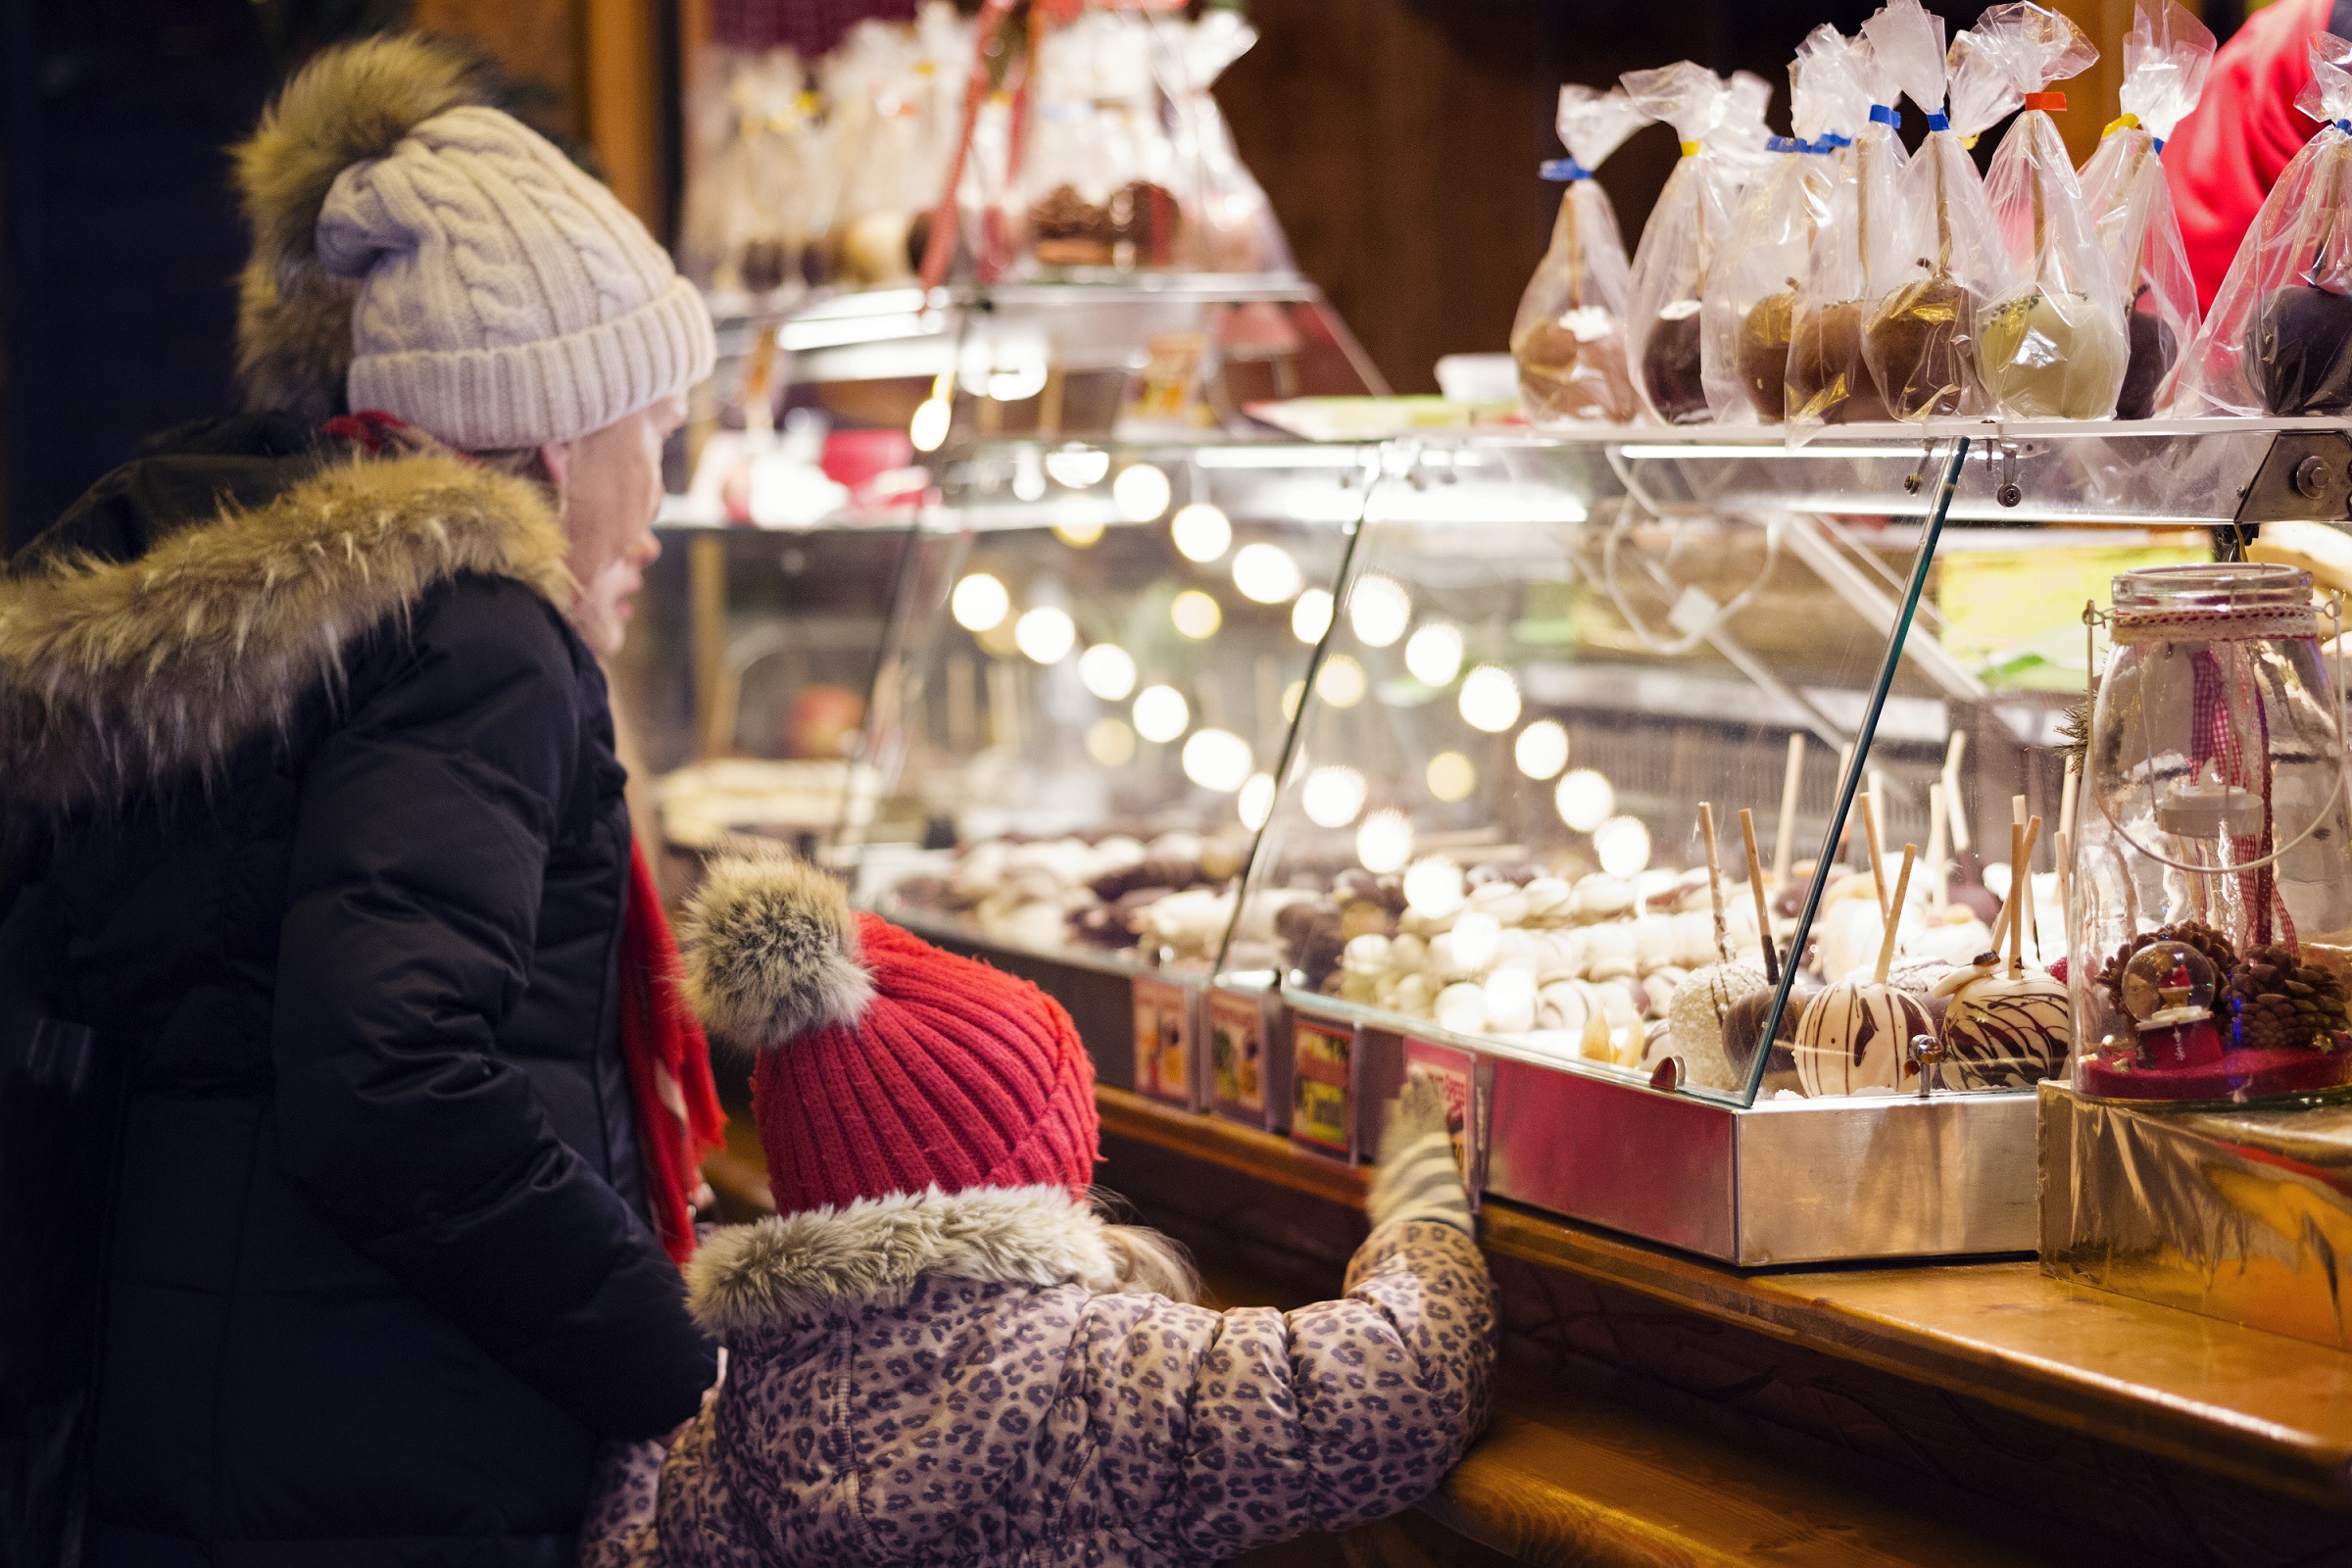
x=1094, y=665
x=1666, y=791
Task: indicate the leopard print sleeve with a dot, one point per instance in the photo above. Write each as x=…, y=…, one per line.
x=1266, y=1425
x=696, y=1521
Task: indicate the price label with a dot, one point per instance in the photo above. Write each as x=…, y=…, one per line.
x=1323, y=1085
x=1237, y=1052
x=1163, y=1040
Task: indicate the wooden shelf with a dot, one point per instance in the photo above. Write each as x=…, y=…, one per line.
x=2258, y=1408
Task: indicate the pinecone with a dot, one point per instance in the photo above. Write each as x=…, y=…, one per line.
x=2279, y=1001
x=2195, y=933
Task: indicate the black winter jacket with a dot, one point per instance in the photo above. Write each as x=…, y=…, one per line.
x=317, y=789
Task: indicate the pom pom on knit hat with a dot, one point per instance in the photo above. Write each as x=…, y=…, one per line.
x=774, y=952
x=886, y=1065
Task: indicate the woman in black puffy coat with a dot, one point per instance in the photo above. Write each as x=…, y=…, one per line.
x=324, y=1233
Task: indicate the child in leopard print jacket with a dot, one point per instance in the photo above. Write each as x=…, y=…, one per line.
x=938, y=1352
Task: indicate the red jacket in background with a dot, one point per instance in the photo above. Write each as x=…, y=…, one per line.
x=2223, y=160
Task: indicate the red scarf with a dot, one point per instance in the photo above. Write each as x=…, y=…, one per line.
x=678, y=1120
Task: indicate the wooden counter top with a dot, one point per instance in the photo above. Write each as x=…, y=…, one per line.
x=2267, y=1411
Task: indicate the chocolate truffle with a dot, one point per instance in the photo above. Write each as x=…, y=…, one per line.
x=2300, y=349
x=2154, y=350
x=1762, y=358
x=1919, y=340
x=1670, y=365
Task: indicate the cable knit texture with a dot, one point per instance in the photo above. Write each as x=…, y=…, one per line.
x=953, y=1075
x=506, y=299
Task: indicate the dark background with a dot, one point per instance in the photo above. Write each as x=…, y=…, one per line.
x=1398, y=139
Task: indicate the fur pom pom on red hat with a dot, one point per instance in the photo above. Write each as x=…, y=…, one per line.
x=886, y=1065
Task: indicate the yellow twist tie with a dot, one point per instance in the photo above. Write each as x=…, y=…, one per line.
x=1968, y=144
x=1689, y=149
x=2120, y=122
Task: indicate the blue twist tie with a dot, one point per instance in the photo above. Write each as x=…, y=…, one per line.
x=1885, y=115
x=1786, y=144
x=2159, y=146
x=2344, y=125
x=1560, y=170
x=1830, y=141
x=1939, y=121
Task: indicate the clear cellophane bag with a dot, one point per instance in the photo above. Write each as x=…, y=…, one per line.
x=1921, y=338
x=2166, y=57
x=2052, y=346
x=1569, y=335
x=1748, y=307
x=1230, y=225
x=1662, y=323
x=1856, y=242
x=2279, y=339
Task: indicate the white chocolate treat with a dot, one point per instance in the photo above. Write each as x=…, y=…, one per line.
x=978, y=870
x=1653, y=941
x=1359, y=988
x=1462, y=1007
x=1658, y=988
x=1955, y=940
x=1367, y=955
x=1602, y=897
x=1548, y=901
x=1117, y=853
x=1385, y=989
x=1033, y=925
x=1256, y=923
x=1690, y=894
x=1694, y=1020
x=1407, y=951
x=1176, y=845
x=1501, y=899
x=1510, y=1000
x=1416, y=923
x=1561, y=1007
x=2004, y=1033
x=1609, y=950
x=1559, y=956
x=1855, y=1037
x=1190, y=921
x=1516, y=946
x=1567, y=1044
x=1414, y=995
x=1694, y=938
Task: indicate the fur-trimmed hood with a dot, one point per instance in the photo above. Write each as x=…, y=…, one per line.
x=754, y=1279
x=119, y=677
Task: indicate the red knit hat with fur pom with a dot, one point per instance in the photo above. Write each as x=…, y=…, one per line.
x=886, y=1065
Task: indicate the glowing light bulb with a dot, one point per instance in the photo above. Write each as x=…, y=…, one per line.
x=1585, y=799
x=1107, y=670
x=1379, y=608
x=1029, y=480
x=1341, y=681
x=1200, y=532
x=1332, y=796
x=1196, y=615
x=1385, y=842
x=1433, y=887
x=1489, y=699
x=1077, y=536
x=1141, y=492
x=1434, y=653
x=1110, y=742
x=1451, y=776
x=1046, y=634
x=1077, y=466
x=1217, y=760
x=979, y=602
x=1542, y=749
x=1622, y=845
x=1256, y=802
x=1310, y=616
x=1161, y=712
x=1265, y=574
x=928, y=429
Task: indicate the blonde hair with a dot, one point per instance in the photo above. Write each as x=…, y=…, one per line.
x=1149, y=1262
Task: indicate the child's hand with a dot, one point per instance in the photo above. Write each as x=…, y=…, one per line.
x=1418, y=1178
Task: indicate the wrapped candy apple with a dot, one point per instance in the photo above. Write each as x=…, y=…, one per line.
x=2212, y=870
x=2166, y=55
x=1749, y=305
x=1689, y=220
x=1856, y=242
x=1569, y=336
x=1921, y=339
x=2279, y=339
x=2052, y=346
x=1232, y=228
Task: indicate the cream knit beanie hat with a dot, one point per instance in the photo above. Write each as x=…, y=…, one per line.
x=506, y=299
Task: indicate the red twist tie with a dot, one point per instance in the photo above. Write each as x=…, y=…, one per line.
x=2048, y=102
